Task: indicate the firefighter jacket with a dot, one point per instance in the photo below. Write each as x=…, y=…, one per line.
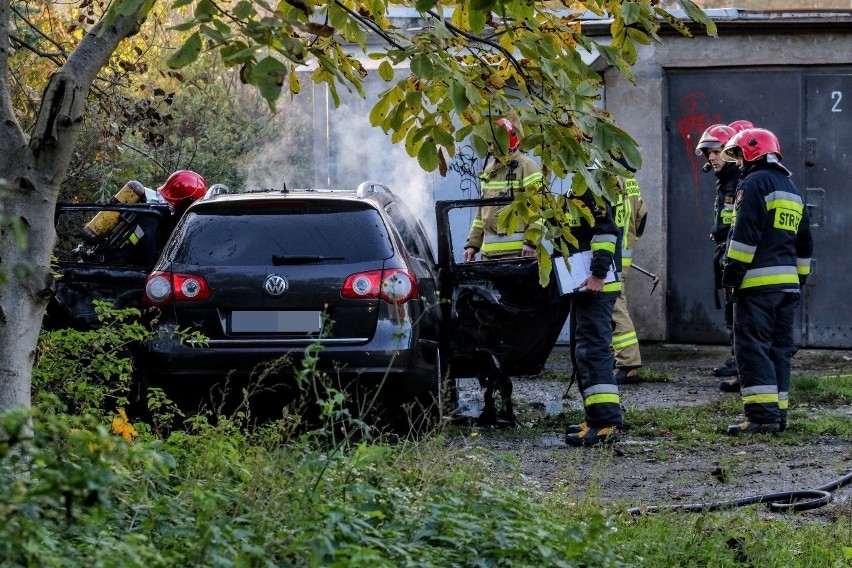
x=603, y=238
x=723, y=209
x=770, y=244
x=630, y=216
x=503, y=180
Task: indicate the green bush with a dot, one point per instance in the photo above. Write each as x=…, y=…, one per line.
x=88, y=372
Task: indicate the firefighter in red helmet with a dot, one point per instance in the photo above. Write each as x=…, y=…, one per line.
x=508, y=173
x=132, y=238
x=710, y=145
x=181, y=189
x=767, y=260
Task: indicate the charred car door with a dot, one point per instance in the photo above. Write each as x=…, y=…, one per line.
x=496, y=306
x=103, y=252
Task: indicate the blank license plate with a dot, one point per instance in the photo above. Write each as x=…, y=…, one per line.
x=275, y=322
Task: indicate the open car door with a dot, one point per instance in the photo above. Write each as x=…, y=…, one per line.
x=494, y=305
x=111, y=266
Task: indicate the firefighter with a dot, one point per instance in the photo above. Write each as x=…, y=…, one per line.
x=767, y=261
x=518, y=173
x=630, y=216
x=135, y=239
x=591, y=322
x=727, y=173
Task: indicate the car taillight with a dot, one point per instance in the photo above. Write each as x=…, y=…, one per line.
x=394, y=286
x=163, y=287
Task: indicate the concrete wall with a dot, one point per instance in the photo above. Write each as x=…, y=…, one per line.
x=641, y=110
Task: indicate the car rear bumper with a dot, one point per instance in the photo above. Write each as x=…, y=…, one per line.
x=394, y=358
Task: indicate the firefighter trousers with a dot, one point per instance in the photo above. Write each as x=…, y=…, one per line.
x=763, y=335
x=591, y=334
x=625, y=343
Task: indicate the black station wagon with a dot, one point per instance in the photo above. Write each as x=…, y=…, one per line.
x=346, y=277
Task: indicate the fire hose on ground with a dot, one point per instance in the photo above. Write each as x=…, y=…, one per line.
x=796, y=500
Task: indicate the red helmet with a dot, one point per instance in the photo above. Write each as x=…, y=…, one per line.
x=753, y=143
x=181, y=185
x=740, y=125
x=715, y=136
x=513, y=136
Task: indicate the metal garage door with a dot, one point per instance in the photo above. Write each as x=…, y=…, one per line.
x=810, y=109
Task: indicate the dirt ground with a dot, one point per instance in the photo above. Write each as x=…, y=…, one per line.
x=641, y=471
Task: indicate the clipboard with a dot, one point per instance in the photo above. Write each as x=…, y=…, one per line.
x=580, y=268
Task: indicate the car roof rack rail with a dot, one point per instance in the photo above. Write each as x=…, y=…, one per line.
x=366, y=187
x=217, y=189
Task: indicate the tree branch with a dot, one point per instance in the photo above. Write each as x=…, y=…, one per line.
x=370, y=24
x=64, y=98
x=41, y=33
x=21, y=43
x=477, y=39
x=145, y=154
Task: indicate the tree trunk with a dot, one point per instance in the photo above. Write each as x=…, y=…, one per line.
x=31, y=174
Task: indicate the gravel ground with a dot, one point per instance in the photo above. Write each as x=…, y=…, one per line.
x=648, y=471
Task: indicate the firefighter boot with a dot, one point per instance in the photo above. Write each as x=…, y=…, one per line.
x=576, y=428
x=730, y=385
x=728, y=369
x=594, y=436
x=753, y=428
x=627, y=375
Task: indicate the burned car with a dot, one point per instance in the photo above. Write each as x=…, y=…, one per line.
x=499, y=322
x=92, y=262
x=347, y=276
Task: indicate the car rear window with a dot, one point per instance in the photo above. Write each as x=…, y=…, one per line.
x=301, y=235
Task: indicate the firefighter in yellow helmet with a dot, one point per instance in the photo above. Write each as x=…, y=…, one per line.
x=518, y=173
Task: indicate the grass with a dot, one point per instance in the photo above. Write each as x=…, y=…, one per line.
x=833, y=391
x=218, y=493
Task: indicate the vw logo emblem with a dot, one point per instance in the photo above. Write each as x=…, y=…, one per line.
x=275, y=285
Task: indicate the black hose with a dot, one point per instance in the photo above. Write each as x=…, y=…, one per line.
x=798, y=500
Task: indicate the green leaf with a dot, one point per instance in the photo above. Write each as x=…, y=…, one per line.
x=424, y=5
x=422, y=66
x=237, y=54
x=379, y=111
x=243, y=10
x=482, y=5
x=187, y=53
x=295, y=84
x=427, y=157
x=698, y=15
x=545, y=266
x=458, y=96
x=386, y=71
x=476, y=20
x=130, y=7
x=442, y=137
x=269, y=75
x=205, y=10
x=639, y=36
x=480, y=146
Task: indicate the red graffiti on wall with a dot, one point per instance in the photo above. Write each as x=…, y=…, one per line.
x=694, y=120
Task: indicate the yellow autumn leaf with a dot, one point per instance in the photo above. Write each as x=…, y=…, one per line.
x=122, y=426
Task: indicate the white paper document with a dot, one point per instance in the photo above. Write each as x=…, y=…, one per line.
x=581, y=268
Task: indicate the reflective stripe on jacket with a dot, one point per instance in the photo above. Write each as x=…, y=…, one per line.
x=630, y=216
x=770, y=244
x=520, y=173
x=603, y=238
